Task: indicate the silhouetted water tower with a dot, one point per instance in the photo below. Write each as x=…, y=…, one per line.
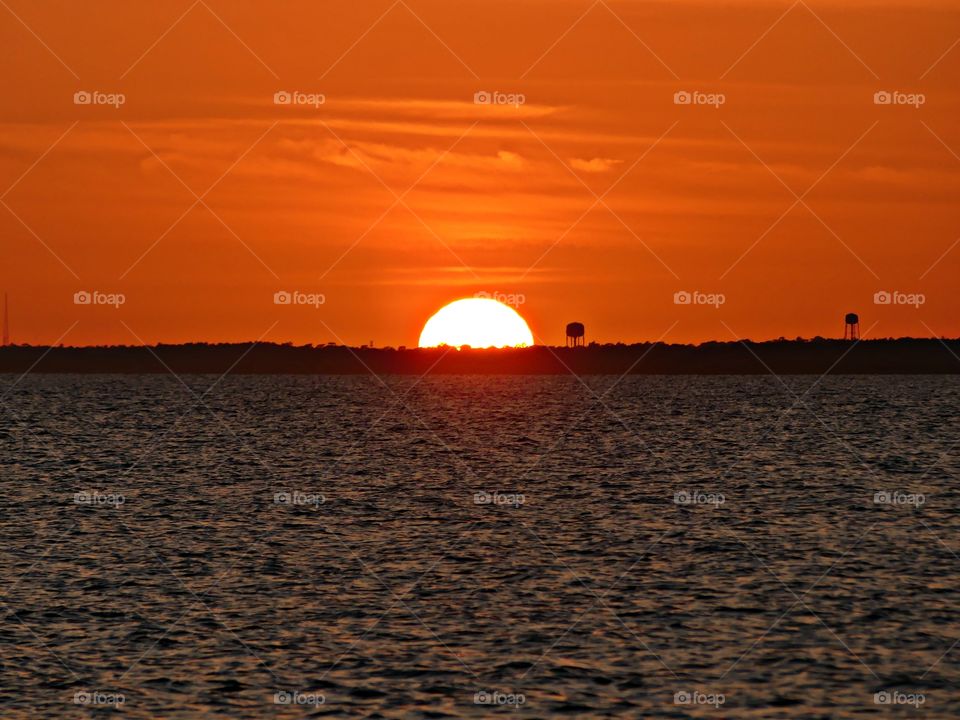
x=851, y=326
x=575, y=334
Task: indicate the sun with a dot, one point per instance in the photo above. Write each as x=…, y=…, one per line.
x=477, y=322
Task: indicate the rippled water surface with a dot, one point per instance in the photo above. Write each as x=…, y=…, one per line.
x=321, y=538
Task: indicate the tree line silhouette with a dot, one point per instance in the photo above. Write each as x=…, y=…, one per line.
x=814, y=356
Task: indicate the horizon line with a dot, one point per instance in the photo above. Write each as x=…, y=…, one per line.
x=408, y=348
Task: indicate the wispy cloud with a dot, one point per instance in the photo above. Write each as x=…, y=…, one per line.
x=594, y=165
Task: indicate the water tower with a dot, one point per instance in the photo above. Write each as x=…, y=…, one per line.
x=851, y=326
x=575, y=334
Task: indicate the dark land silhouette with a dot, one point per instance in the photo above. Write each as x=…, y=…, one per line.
x=816, y=356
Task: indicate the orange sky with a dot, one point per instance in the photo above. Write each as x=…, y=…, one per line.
x=491, y=198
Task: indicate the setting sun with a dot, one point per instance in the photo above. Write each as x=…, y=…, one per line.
x=477, y=322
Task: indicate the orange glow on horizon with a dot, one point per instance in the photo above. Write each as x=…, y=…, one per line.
x=598, y=161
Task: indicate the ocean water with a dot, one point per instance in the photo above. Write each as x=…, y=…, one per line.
x=669, y=547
